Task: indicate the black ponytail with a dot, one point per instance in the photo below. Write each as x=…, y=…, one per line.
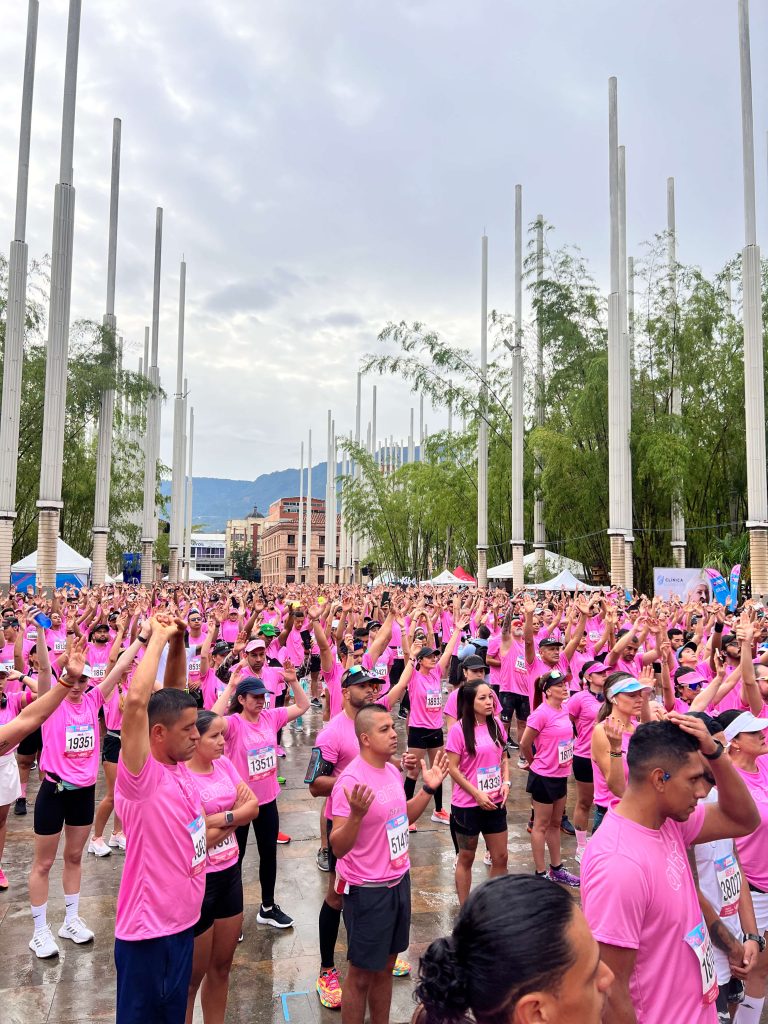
x=442, y=989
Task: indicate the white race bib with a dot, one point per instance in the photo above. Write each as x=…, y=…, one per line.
x=699, y=941
x=380, y=669
x=193, y=666
x=196, y=830
x=729, y=880
x=59, y=646
x=594, y=636
x=261, y=762
x=520, y=663
x=397, y=838
x=400, y=652
x=224, y=851
x=434, y=700
x=98, y=671
x=565, y=752
x=79, y=740
x=6, y=666
x=489, y=779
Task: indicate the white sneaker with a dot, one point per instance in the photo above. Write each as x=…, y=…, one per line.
x=487, y=859
x=76, y=930
x=580, y=851
x=43, y=944
x=99, y=847
x=117, y=841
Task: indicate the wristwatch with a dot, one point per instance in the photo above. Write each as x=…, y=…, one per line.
x=759, y=939
x=427, y=789
x=717, y=753
x=229, y=817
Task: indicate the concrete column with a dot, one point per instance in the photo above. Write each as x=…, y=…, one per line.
x=482, y=427
x=107, y=411
x=190, y=489
x=626, y=408
x=411, y=440
x=328, y=552
x=615, y=390
x=149, y=521
x=374, y=441
x=309, y=510
x=300, y=537
x=678, y=520
x=13, y=353
x=52, y=459
x=518, y=422
x=334, y=552
x=358, y=475
x=421, y=428
x=177, y=466
x=539, y=534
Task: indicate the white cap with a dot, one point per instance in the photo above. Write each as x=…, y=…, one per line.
x=745, y=722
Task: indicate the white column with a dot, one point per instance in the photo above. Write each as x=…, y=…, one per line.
x=626, y=386
x=300, y=537
x=190, y=489
x=615, y=390
x=149, y=522
x=358, y=475
x=539, y=534
x=54, y=412
x=518, y=421
x=327, y=552
x=334, y=552
x=678, y=521
x=421, y=428
x=482, y=427
x=373, y=426
x=13, y=353
x=411, y=441
x=309, y=510
x=175, y=539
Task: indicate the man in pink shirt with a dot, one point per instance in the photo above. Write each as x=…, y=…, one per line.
x=637, y=889
x=163, y=880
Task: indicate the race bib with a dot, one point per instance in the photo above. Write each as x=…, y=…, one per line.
x=400, y=652
x=380, y=669
x=698, y=940
x=268, y=700
x=729, y=880
x=98, y=671
x=196, y=831
x=224, y=851
x=397, y=838
x=594, y=636
x=489, y=779
x=565, y=752
x=434, y=700
x=79, y=740
x=32, y=635
x=520, y=663
x=59, y=646
x=261, y=762
x=193, y=666
x=6, y=666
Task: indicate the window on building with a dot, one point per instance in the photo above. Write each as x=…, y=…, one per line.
x=322, y=540
x=290, y=562
x=291, y=539
x=320, y=562
x=290, y=579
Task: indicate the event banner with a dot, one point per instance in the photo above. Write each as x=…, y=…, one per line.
x=687, y=584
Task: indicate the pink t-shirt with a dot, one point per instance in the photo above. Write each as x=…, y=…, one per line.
x=212, y=688
x=381, y=668
x=538, y=669
x=229, y=630
x=380, y=853
x=514, y=671
x=332, y=683
x=495, y=674
x=583, y=707
x=482, y=770
x=252, y=748
x=654, y=910
x=113, y=716
x=71, y=740
x=163, y=879
x=603, y=796
x=553, y=756
x=97, y=656
x=14, y=703
x=218, y=792
x=425, y=690
x=338, y=743
x=752, y=848
x=451, y=709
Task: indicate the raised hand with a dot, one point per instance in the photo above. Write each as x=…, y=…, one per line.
x=359, y=800
x=433, y=777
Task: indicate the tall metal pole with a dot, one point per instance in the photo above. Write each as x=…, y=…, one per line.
x=615, y=389
x=300, y=540
x=482, y=427
x=327, y=551
x=190, y=489
x=176, y=538
x=149, y=524
x=54, y=412
x=107, y=411
x=333, y=501
x=539, y=534
x=373, y=426
x=518, y=422
x=754, y=394
x=631, y=316
x=358, y=474
x=678, y=521
x=309, y=509
x=13, y=354
x=183, y=554
x=627, y=390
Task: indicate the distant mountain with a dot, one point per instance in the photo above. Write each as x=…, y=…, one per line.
x=215, y=500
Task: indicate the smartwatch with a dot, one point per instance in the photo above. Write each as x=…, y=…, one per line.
x=759, y=939
x=229, y=817
x=717, y=753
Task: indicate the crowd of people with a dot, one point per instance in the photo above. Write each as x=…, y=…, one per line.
x=635, y=727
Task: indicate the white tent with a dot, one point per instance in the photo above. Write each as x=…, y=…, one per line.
x=554, y=564
x=564, y=580
x=196, y=577
x=70, y=568
x=447, y=579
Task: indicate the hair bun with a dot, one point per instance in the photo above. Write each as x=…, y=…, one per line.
x=442, y=990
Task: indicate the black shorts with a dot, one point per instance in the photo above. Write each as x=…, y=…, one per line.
x=314, y=663
x=223, y=897
x=110, y=748
x=31, y=744
x=471, y=821
x=396, y=669
x=514, y=704
x=54, y=809
x=545, y=790
x=424, y=739
x=378, y=923
x=331, y=855
x=582, y=769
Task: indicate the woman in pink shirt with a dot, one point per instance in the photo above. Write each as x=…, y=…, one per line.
x=227, y=803
x=583, y=707
x=479, y=767
x=547, y=746
x=11, y=704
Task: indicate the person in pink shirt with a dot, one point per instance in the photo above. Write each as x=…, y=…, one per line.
x=162, y=813
x=547, y=745
x=583, y=707
x=638, y=893
x=479, y=768
x=11, y=705
x=227, y=803
x=369, y=837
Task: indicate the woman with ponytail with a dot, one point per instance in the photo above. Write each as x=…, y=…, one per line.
x=551, y=963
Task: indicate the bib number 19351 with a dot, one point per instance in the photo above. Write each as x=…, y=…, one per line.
x=79, y=740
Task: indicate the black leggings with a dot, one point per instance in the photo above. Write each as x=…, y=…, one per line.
x=265, y=828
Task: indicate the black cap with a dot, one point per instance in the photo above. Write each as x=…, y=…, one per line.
x=729, y=639
x=357, y=676
x=220, y=647
x=251, y=684
x=426, y=652
x=473, y=661
x=550, y=641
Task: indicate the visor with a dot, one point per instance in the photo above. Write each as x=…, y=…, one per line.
x=746, y=722
x=626, y=685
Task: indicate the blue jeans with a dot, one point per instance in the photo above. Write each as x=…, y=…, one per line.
x=153, y=978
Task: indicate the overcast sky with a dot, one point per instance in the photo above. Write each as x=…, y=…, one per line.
x=326, y=167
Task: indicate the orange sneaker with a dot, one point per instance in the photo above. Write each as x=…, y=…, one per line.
x=441, y=817
x=329, y=989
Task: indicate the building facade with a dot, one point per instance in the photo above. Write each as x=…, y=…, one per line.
x=207, y=551
x=279, y=550
x=243, y=533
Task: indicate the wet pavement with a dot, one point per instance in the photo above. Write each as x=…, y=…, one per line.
x=274, y=972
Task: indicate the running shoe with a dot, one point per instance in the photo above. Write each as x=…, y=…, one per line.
x=581, y=850
x=117, y=841
x=3, y=879
x=98, y=847
x=412, y=828
x=522, y=764
x=20, y=807
x=316, y=703
x=280, y=751
x=77, y=930
x=322, y=861
x=564, y=877
x=566, y=826
x=487, y=858
x=281, y=779
x=283, y=839
x=441, y=817
x=512, y=744
x=274, y=917
x=401, y=969
x=402, y=713
x=43, y=944
x=328, y=989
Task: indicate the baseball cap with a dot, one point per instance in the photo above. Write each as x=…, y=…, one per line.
x=473, y=661
x=357, y=676
x=268, y=629
x=257, y=644
x=729, y=638
x=550, y=641
x=251, y=684
x=596, y=666
x=627, y=684
x=220, y=647
x=745, y=722
x=426, y=652
x=689, y=646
